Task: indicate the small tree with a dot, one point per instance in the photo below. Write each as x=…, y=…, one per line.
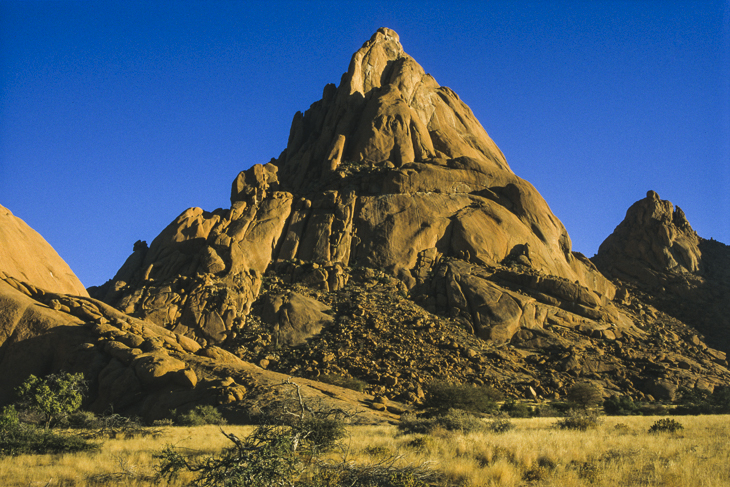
x=53, y=397
x=477, y=399
x=585, y=394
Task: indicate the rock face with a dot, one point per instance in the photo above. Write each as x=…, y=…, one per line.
x=653, y=241
x=27, y=256
x=656, y=252
x=388, y=171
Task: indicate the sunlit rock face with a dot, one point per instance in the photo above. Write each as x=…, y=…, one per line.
x=655, y=250
x=655, y=237
x=389, y=171
x=26, y=255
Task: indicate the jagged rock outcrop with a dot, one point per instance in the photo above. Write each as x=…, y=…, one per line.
x=654, y=240
x=28, y=257
x=389, y=171
x=654, y=251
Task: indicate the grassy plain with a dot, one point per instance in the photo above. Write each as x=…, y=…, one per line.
x=620, y=452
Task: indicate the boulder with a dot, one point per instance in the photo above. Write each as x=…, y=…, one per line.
x=293, y=318
x=155, y=369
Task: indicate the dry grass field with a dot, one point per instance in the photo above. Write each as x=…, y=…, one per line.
x=620, y=452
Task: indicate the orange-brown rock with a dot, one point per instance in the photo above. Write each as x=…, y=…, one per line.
x=656, y=251
x=654, y=238
x=28, y=257
x=388, y=171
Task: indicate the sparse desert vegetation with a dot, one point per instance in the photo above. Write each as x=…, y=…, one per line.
x=619, y=451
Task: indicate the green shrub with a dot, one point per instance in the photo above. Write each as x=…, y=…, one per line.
x=117, y=426
x=694, y=401
x=54, y=397
x=17, y=438
x=478, y=399
x=273, y=454
x=266, y=457
x=653, y=409
x=500, y=425
x=198, y=416
x=341, y=381
x=82, y=419
x=620, y=406
x=546, y=411
x=451, y=420
x=587, y=471
x=323, y=431
x=579, y=420
x=666, y=425
x=541, y=470
x=585, y=394
x=516, y=409
x=9, y=418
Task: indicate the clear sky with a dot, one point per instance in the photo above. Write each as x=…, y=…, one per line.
x=116, y=116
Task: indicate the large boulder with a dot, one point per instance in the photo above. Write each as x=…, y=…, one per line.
x=294, y=318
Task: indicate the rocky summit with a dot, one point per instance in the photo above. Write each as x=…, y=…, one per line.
x=389, y=244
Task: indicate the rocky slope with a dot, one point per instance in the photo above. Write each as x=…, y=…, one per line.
x=137, y=368
x=389, y=243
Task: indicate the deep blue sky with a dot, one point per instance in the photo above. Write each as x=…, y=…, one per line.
x=117, y=116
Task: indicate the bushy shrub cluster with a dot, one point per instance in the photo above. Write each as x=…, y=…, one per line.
x=442, y=395
x=450, y=420
x=694, y=401
x=275, y=453
x=17, y=438
x=666, y=425
x=516, y=409
x=585, y=394
x=620, y=406
x=579, y=420
x=199, y=416
x=54, y=397
x=500, y=424
x=264, y=458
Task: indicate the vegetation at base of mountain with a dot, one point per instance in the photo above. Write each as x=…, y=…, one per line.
x=694, y=401
x=579, y=420
x=442, y=395
x=585, y=394
x=620, y=451
x=18, y=438
x=515, y=409
x=53, y=397
x=198, y=416
x=666, y=425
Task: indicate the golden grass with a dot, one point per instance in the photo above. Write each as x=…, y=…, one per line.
x=127, y=462
x=533, y=453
